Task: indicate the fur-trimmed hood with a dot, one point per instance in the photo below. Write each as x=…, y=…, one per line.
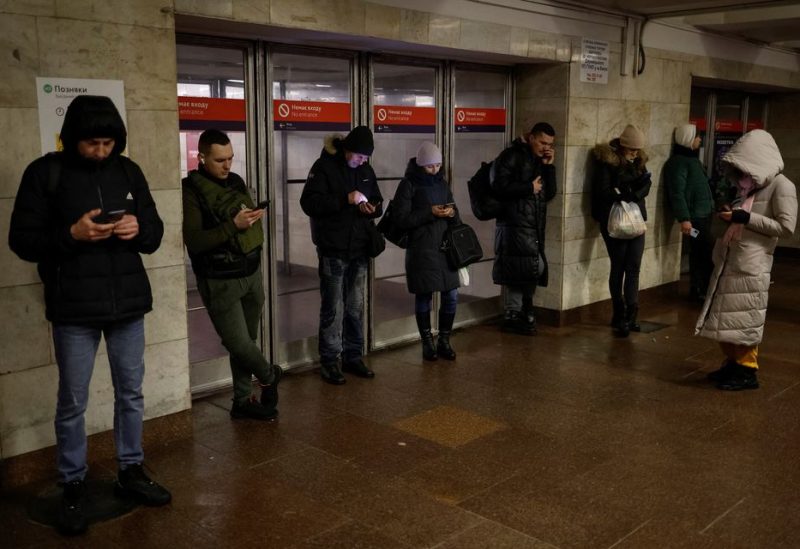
x=333, y=143
x=608, y=153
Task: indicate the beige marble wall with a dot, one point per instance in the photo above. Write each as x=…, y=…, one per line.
x=656, y=102
x=129, y=41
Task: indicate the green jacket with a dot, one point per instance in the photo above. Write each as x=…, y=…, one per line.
x=687, y=186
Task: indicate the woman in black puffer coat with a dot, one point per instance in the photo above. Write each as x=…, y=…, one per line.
x=424, y=206
x=620, y=173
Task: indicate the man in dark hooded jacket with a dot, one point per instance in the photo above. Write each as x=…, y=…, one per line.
x=84, y=216
x=523, y=180
x=341, y=196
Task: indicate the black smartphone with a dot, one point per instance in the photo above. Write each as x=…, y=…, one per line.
x=376, y=203
x=111, y=216
x=448, y=205
x=263, y=205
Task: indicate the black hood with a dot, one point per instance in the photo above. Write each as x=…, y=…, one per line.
x=91, y=116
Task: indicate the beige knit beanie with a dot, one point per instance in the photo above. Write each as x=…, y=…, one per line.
x=632, y=137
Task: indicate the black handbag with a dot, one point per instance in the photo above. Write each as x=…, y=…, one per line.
x=388, y=228
x=376, y=243
x=461, y=246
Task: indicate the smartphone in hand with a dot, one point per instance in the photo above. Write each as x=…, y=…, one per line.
x=263, y=205
x=111, y=216
x=693, y=232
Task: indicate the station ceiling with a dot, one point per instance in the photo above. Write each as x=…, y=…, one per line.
x=776, y=23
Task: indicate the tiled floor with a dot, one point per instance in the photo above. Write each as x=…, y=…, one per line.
x=568, y=439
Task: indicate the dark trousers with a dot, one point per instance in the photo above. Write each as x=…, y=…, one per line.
x=341, y=331
x=234, y=306
x=626, y=260
x=700, y=248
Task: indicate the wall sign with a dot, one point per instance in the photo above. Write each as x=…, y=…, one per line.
x=402, y=119
x=310, y=115
x=201, y=113
x=594, y=61
x=54, y=96
x=477, y=119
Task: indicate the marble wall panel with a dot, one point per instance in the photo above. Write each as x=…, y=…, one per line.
x=20, y=147
x=611, y=90
x=444, y=31
x=208, y=8
x=31, y=395
x=327, y=15
x=171, y=250
x=25, y=340
x=662, y=81
x=481, y=36
x=28, y=7
x=585, y=282
x=382, y=21
x=144, y=58
x=20, y=65
x=664, y=117
x=14, y=271
x=583, y=122
x=166, y=380
x=519, y=41
x=585, y=249
x=579, y=228
x=145, y=13
x=251, y=11
x=169, y=204
x=414, y=26
x=578, y=168
x=577, y=205
x=660, y=265
x=167, y=321
x=528, y=112
x=613, y=116
x=153, y=143
x=541, y=81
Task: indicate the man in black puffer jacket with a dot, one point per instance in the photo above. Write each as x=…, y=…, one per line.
x=524, y=180
x=341, y=196
x=84, y=216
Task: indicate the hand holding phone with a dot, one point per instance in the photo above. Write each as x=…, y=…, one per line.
x=693, y=232
x=111, y=216
x=263, y=205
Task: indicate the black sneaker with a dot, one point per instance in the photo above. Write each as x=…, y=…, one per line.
x=740, y=379
x=71, y=521
x=269, y=393
x=332, y=374
x=252, y=409
x=357, y=368
x=133, y=483
x=515, y=322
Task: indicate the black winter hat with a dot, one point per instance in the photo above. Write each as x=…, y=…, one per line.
x=360, y=141
x=91, y=116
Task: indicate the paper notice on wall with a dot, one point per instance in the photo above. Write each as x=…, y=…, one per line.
x=594, y=61
x=54, y=96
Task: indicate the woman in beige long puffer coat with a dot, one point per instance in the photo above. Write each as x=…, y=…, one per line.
x=736, y=304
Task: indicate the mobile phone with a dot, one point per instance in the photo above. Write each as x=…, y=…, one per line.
x=111, y=216
x=693, y=232
x=448, y=205
x=376, y=203
x=263, y=205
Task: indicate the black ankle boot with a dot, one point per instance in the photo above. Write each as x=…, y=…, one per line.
x=424, y=326
x=443, y=348
x=619, y=322
x=631, y=314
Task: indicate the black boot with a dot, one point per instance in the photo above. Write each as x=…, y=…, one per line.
x=528, y=316
x=632, y=313
x=619, y=322
x=443, y=348
x=739, y=378
x=424, y=326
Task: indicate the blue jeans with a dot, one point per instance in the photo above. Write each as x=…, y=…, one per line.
x=422, y=302
x=341, y=313
x=76, y=348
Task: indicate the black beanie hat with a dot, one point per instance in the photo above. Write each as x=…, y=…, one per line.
x=360, y=141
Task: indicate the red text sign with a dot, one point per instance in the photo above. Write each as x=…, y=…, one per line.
x=402, y=119
x=310, y=115
x=475, y=119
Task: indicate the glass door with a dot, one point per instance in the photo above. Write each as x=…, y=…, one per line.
x=480, y=131
x=311, y=98
x=211, y=94
x=404, y=112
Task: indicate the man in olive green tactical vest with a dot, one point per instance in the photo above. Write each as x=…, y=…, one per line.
x=223, y=232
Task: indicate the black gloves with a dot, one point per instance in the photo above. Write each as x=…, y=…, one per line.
x=740, y=216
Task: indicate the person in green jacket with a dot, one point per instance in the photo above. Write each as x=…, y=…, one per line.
x=689, y=195
x=223, y=232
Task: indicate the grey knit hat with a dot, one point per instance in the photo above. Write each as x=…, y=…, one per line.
x=428, y=154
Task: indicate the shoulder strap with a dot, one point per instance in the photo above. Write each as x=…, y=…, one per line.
x=53, y=172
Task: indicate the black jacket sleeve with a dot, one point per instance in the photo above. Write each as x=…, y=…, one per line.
x=36, y=230
x=320, y=197
x=505, y=181
x=549, y=189
x=406, y=215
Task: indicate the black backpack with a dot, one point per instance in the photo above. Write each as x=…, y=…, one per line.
x=484, y=205
x=390, y=231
